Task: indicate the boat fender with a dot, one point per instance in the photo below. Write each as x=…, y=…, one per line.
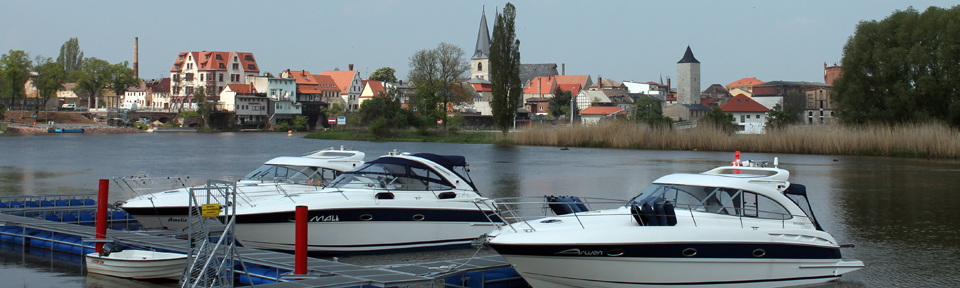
x=384, y=195
x=661, y=215
x=559, y=209
x=580, y=204
x=570, y=202
x=668, y=208
x=649, y=214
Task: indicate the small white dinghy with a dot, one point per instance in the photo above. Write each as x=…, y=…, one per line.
x=137, y=264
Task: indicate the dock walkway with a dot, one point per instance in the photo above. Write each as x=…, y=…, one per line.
x=327, y=273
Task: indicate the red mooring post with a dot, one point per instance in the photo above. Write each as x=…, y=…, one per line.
x=300, y=250
x=102, y=197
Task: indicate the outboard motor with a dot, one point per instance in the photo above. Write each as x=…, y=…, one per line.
x=109, y=248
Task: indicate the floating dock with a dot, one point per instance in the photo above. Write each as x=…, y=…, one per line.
x=268, y=266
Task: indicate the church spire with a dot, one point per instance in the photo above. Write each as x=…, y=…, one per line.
x=483, y=39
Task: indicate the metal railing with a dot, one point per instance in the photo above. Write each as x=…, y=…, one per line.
x=519, y=210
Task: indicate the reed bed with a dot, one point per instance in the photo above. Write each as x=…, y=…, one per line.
x=926, y=140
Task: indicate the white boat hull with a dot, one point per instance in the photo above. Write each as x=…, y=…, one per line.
x=548, y=271
x=359, y=237
x=137, y=264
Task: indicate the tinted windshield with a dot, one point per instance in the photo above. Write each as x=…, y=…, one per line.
x=718, y=200
x=392, y=177
x=290, y=173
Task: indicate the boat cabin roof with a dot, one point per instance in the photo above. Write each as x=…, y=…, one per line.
x=339, y=164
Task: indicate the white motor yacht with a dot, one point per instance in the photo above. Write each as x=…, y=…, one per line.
x=398, y=202
x=727, y=227
x=278, y=176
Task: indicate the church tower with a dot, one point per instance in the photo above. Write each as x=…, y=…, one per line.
x=688, y=76
x=480, y=61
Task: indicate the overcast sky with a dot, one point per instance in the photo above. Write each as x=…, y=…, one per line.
x=619, y=40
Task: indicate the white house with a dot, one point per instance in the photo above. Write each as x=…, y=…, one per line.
x=749, y=114
x=350, y=86
x=212, y=70
x=282, y=93
x=249, y=106
x=587, y=98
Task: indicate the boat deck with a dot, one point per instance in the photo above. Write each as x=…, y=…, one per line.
x=326, y=273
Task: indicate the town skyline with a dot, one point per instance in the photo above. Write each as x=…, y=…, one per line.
x=733, y=40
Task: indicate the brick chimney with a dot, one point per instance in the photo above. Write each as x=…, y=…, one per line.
x=563, y=68
x=668, y=84
x=351, y=67
x=599, y=82
x=136, y=58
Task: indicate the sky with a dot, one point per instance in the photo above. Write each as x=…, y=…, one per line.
x=618, y=40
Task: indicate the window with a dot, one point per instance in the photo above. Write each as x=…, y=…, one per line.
x=748, y=116
x=479, y=66
x=741, y=118
x=236, y=66
x=219, y=58
x=189, y=77
x=247, y=58
x=810, y=113
x=189, y=65
x=758, y=116
x=201, y=77
x=189, y=90
x=221, y=77
x=222, y=66
x=541, y=108
x=181, y=57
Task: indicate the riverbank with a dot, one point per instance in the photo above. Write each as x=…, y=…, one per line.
x=931, y=140
x=473, y=137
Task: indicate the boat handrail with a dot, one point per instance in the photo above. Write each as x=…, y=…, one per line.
x=515, y=211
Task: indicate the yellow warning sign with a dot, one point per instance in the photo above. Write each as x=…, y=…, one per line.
x=210, y=210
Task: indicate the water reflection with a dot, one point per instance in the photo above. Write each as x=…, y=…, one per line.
x=506, y=177
x=902, y=214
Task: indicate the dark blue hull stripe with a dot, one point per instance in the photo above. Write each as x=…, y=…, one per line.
x=341, y=215
x=379, y=248
x=696, y=283
x=675, y=250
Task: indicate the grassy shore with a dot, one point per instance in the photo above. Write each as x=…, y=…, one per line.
x=931, y=140
x=409, y=136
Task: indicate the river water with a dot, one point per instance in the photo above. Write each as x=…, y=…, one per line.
x=902, y=214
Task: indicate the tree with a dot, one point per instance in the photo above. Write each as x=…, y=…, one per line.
x=505, y=70
x=92, y=78
x=16, y=67
x=718, y=118
x=795, y=102
x=435, y=72
x=200, y=98
x=49, y=78
x=560, y=102
x=648, y=110
x=71, y=58
x=902, y=69
x=300, y=122
x=386, y=104
x=121, y=78
x=780, y=118
x=385, y=74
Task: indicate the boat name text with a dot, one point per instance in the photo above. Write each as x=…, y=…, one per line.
x=325, y=218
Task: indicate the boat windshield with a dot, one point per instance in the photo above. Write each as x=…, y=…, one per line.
x=397, y=175
x=293, y=174
x=728, y=201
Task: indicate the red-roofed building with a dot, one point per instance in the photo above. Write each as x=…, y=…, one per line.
x=745, y=86
x=573, y=88
x=314, y=92
x=371, y=88
x=582, y=80
x=593, y=114
x=249, y=104
x=540, y=87
x=750, y=115
x=350, y=86
x=212, y=70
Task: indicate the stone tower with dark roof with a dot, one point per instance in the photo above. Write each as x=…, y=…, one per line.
x=688, y=76
x=480, y=61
